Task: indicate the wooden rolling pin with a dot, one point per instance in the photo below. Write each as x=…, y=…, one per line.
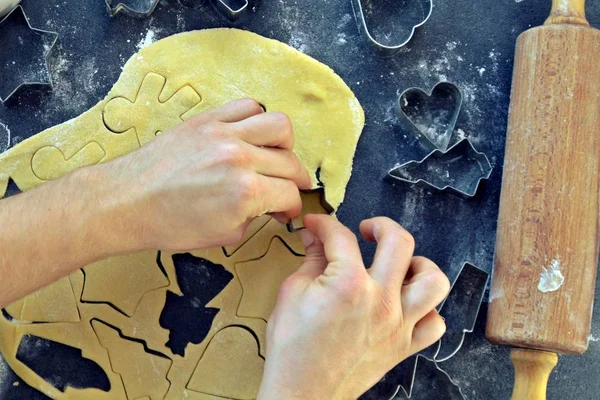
x=548, y=230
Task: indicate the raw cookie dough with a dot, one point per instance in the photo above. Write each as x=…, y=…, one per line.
x=165, y=83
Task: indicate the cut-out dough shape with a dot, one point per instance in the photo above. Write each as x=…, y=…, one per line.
x=222, y=65
x=231, y=366
x=255, y=226
x=121, y=114
x=261, y=280
x=125, y=278
x=312, y=203
x=143, y=374
x=50, y=163
x=54, y=303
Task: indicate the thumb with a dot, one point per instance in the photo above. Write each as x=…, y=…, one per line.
x=315, y=261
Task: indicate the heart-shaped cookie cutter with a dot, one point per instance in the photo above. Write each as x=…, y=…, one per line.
x=387, y=50
x=427, y=130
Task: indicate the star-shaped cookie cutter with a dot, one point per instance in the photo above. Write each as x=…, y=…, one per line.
x=142, y=10
x=17, y=19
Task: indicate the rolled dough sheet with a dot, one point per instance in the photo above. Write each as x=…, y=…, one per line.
x=165, y=83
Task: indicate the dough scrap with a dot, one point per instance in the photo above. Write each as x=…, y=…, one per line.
x=167, y=82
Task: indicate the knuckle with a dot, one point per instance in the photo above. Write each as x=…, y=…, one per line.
x=440, y=282
x=252, y=105
x=234, y=155
x=283, y=121
x=390, y=228
x=404, y=237
x=235, y=237
x=355, y=289
x=247, y=186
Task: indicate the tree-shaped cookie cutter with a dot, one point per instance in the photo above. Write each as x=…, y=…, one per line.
x=459, y=170
x=14, y=52
x=388, y=50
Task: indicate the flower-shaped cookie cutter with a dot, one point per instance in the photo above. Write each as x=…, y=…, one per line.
x=422, y=12
x=133, y=8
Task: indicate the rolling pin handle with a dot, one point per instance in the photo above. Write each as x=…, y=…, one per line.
x=567, y=12
x=532, y=370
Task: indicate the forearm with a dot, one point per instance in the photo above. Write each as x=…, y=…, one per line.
x=49, y=232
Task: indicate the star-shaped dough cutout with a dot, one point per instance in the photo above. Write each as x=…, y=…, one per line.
x=23, y=59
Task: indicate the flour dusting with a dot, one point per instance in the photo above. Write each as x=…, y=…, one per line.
x=4, y=137
x=3, y=370
x=148, y=40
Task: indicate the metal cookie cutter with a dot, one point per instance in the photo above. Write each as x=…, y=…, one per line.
x=313, y=202
x=431, y=116
x=458, y=170
x=133, y=8
x=24, y=54
x=230, y=8
x=460, y=309
x=414, y=14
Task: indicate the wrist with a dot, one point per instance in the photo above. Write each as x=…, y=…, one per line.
x=106, y=218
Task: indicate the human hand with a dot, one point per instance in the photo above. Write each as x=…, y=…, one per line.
x=337, y=327
x=201, y=183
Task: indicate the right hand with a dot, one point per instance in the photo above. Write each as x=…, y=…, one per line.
x=201, y=183
x=337, y=327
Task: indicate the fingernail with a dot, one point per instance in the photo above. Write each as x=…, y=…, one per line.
x=307, y=237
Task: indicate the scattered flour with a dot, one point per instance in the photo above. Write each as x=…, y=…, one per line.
x=594, y=339
x=3, y=370
x=148, y=40
x=451, y=45
x=4, y=137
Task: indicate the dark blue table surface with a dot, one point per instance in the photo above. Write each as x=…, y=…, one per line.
x=466, y=42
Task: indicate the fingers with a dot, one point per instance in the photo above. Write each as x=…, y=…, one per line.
x=427, y=288
x=279, y=163
x=395, y=248
x=315, y=260
x=339, y=243
x=276, y=195
x=234, y=111
x=427, y=331
x=273, y=129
